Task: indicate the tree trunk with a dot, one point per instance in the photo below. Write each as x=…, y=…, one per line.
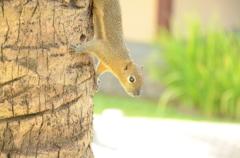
x=46, y=94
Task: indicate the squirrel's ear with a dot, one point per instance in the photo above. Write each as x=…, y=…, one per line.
x=128, y=65
x=141, y=67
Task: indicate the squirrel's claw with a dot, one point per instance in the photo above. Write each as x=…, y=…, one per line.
x=72, y=49
x=97, y=84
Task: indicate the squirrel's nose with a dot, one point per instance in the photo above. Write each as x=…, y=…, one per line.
x=137, y=93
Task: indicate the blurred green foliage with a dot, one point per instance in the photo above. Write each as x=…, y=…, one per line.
x=139, y=107
x=134, y=107
x=199, y=70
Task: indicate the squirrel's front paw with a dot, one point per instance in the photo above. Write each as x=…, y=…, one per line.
x=72, y=49
x=97, y=84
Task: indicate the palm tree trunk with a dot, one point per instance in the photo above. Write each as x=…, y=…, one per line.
x=46, y=94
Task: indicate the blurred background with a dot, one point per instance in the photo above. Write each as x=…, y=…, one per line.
x=190, y=100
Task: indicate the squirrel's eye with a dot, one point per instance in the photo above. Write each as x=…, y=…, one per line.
x=131, y=79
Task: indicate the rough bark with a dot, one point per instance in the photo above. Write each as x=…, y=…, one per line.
x=46, y=94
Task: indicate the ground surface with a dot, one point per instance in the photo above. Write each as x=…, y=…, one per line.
x=120, y=137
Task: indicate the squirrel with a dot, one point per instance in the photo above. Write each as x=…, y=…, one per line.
x=109, y=47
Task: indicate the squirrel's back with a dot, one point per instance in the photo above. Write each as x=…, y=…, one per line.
x=108, y=20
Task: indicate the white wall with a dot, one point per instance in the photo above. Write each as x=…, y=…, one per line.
x=227, y=11
x=140, y=16
x=139, y=19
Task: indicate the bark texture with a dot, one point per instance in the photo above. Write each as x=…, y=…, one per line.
x=46, y=94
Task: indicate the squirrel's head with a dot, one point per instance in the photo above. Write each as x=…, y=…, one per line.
x=131, y=78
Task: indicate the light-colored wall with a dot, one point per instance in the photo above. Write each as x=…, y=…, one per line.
x=226, y=11
x=140, y=16
x=139, y=19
